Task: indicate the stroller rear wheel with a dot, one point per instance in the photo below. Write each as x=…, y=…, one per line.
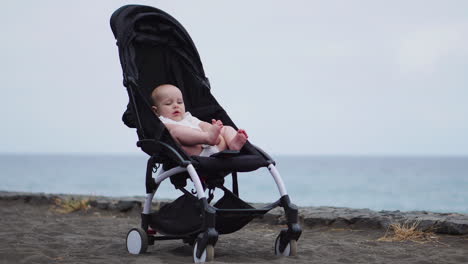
x=207, y=254
x=289, y=250
x=137, y=241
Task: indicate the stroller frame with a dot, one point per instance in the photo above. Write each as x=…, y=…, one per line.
x=207, y=236
x=162, y=149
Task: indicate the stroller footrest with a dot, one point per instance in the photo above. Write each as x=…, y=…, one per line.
x=226, y=154
x=239, y=163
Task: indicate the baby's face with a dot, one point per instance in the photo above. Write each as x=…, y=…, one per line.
x=169, y=102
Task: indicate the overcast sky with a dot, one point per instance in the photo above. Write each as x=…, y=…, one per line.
x=302, y=77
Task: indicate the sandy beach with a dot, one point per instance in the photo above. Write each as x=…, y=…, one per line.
x=34, y=232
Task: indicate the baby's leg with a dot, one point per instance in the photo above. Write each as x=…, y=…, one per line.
x=235, y=140
x=189, y=136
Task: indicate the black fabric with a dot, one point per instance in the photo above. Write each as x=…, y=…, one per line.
x=128, y=117
x=230, y=224
x=241, y=163
x=155, y=49
x=180, y=217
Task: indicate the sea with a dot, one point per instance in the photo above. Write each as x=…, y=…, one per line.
x=437, y=184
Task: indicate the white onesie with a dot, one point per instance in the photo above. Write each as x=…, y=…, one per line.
x=193, y=122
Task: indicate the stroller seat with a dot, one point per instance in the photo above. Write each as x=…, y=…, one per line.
x=154, y=49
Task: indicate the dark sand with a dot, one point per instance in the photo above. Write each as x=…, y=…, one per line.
x=36, y=234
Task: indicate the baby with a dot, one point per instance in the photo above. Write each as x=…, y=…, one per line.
x=196, y=137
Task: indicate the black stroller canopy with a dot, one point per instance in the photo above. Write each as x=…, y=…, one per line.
x=148, y=24
x=155, y=49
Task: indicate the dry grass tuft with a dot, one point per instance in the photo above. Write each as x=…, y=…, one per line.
x=70, y=205
x=407, y=232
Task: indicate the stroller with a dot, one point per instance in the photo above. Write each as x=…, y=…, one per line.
x=155, y=49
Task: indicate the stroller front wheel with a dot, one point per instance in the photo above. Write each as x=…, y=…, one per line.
x=137, y=241
x=207, y=255
x=289, y=250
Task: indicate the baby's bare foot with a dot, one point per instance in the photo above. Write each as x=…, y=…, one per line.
x=238, y=141
x=216, y=122
x=213, y=134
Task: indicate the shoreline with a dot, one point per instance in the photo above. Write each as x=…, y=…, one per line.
x=310, y=217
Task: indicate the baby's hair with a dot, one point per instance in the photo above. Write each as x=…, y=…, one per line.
x=153, y=93
x=153, y=96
